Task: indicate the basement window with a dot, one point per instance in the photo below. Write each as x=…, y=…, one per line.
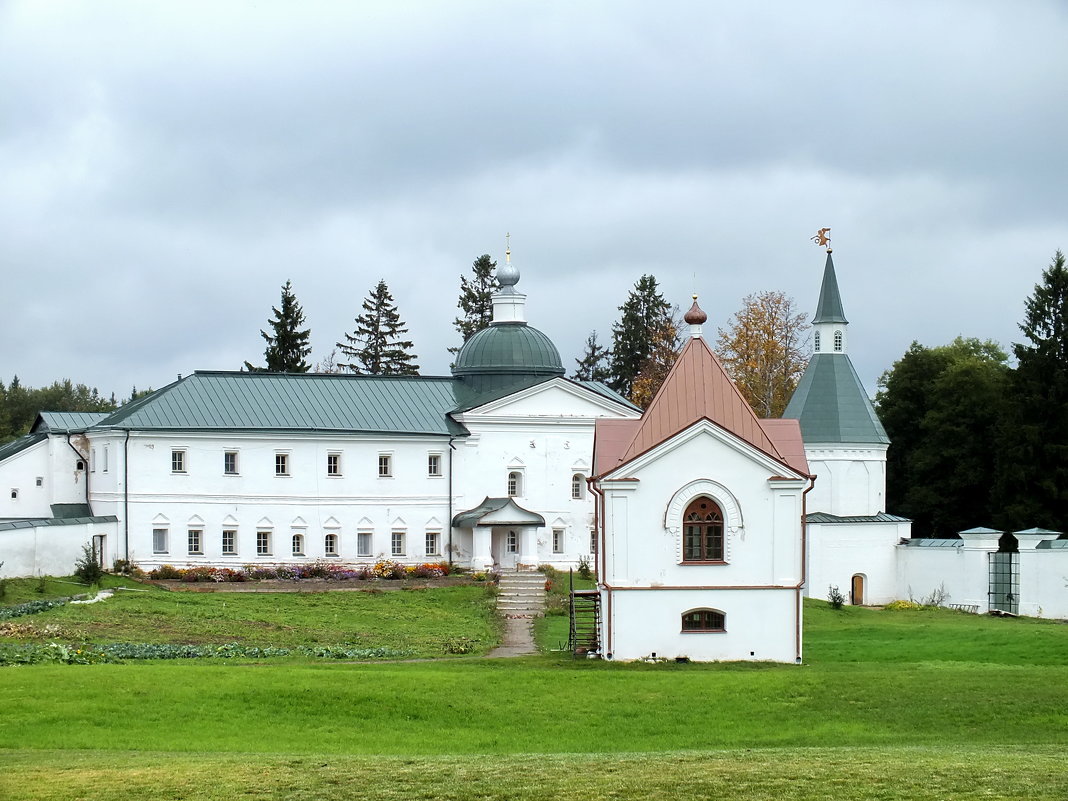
x=703, y=620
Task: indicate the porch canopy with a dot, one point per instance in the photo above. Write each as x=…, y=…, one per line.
x=497, y=512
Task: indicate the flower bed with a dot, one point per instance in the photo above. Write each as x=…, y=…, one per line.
x=32, y=654
x=319, y=569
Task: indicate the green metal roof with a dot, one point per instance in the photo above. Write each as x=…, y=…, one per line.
x=1053, y=545
x=882, y=517
x=512, y=348
x=831, y=404
x=932, y=542
x=22, y=443
x=211, y=401
x=829, y=309
x=65, y=511
x=69, y=521
x=66, y=422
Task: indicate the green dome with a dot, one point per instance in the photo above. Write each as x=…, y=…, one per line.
x=508, y=349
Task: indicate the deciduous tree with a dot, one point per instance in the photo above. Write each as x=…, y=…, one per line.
x=287, y=344
x=764, y=348
x=377, y=347
x=657, y=364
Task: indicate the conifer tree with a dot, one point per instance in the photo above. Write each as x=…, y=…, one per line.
x=657, y=365
x=644, y=314
x=376, y=346
x=475, y=297
x=1033, y=453
x=594, y=364
x=287, y=345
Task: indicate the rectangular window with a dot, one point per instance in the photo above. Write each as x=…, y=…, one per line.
x=333, y=464
x=263, y=543
x=364, y=543
x=229, y=540
x=92, y=460
x=397, y=543
x=106, y=449
x=40, y=481
x=558, y=540
x=593, y=540
x=177, y=461
x=281, y=464
x=14, y=494
x=513, y=542
x=298, y=544
x=433, y=465
x=385, y=465
x=330, y=544
x=230, y=463
x=159, y=540
x=578, y=485
x=196, y=541
x=432, y=540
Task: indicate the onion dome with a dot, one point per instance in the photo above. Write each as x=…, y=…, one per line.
x=696, y=315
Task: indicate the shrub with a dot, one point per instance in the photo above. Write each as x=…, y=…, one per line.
x=584, y=569
x=388, y=569
x=834, y=595
x=87, y=568
x=459, y=645
x=902, y=605
x=165, y=573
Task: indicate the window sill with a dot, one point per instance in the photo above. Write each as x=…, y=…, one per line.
x=334, y=475
x=706, y=562
x=231, y=475
x=703, y=631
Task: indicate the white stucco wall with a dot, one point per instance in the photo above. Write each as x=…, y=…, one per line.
x=19, y=475
x=850, y=479
x=51, y=550
x=1044, y=583
x=839, y=551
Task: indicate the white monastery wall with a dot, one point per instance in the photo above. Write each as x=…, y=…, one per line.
x=20, y=495
x=851, y=480
x=840, y=551
x=1044, y=583
x=51, y=550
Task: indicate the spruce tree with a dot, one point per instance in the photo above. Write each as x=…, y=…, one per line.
x=1033, y=452
x=594, y=364
x=475, y=297
x=287, y=345
x=644, y=314
x=376, y=346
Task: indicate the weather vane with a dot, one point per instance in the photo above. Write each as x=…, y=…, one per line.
x=822, y=239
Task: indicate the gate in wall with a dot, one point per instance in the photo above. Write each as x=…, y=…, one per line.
x=1004, y=593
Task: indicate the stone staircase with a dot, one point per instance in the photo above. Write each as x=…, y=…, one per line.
x=521, y=594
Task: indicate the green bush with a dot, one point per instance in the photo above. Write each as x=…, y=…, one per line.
x=834, y=595
x=88, y=568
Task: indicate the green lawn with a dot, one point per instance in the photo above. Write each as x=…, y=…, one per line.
x=889, y=705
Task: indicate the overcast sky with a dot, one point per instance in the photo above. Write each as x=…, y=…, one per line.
x=165, y=167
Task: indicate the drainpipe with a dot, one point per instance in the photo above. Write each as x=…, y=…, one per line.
x=84, y=460
x=126, y=493
x=451, y=449
x=804, y=567
x=602, y=561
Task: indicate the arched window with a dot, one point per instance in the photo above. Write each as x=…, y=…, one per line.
x=578, y=486
x=704, y=620
x=837, y=341
x=330, y=544
x=515, y=484
x=816, y=341
x=298, y=545
x=702, y=531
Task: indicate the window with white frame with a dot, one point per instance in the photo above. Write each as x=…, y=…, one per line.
x=396, y=543
x=578, y=487
x=230, y=463
x=433, y=543
x=105, y=465
x=433, y=465
x=512, y=542
x=14, y=494
x=558, y=540
x=593, y=540
x=330, y=544
x=838, y=341
x=333, y=464
x=364, y=543
x=159, y=540
x=298, y=544
x=515, y=484
x=92, y=460
x=40, y=481
x=178, y=461
x=229, y=541
x=281, y=464
x=385, y=465
x=196, y=541
x=263, y=543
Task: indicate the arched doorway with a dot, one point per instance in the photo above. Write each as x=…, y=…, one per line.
x=856, y=590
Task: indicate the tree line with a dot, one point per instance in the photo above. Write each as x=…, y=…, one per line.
x=976, y=440
x=19, y=404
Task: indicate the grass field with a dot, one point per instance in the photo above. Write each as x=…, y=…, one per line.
x=889, y=705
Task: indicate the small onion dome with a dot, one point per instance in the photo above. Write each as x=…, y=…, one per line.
x=507, y=276
x=695, y=316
